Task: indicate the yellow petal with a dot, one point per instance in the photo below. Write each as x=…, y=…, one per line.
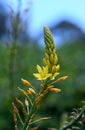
x=45, y=69
x=39, y=69
x=55, y=74
x=57, y=67
x=37, y=75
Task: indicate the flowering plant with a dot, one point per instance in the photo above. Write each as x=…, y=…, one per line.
x=33, y=98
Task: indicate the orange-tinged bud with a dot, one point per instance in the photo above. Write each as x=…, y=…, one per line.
x=16, y=127
x=25, y=82
x=24, y=112
x=35, y=128
x=62, y=79
x=31, y=91
x=41, y=86
x=39, y=100
x=22, y=91
x=44, y=118
x=56, y=90
x=49, y=87
x=15, y=117
x=15, y=108
x=20, y=102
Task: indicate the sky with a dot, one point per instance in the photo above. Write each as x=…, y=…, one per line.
x=47, y=11
x=50, y=12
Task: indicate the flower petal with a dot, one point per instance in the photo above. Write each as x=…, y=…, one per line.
x=37, y=75
x=39, y=69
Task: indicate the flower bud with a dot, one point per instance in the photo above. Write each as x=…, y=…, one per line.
x=62, y=79
x=25, y=82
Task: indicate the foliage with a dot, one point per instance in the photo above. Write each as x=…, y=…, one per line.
x=23, y=67
x=71, y=59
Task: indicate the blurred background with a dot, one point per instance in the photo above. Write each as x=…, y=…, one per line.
x=22, y=47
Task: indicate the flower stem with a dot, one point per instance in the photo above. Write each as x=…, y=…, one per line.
x=32, y=111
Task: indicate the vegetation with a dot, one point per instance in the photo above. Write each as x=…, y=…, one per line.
x=18, y=62
x=24, y=59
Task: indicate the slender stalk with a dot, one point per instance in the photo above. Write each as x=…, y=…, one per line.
x=32, y=111
x=20, y=119
x=11, y=70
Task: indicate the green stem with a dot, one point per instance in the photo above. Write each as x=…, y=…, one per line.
x=20, y=119
x=11, y=69
x=69, y=125
x=33, y=109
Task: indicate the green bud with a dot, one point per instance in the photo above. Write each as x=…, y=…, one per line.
x=44, y=62
x=55, y=60
x=50, y=51
x=48, y=63
x=46, y=56
x=54, y=69
x=51, y=58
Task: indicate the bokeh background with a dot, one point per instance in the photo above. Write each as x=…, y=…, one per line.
x=22, y=47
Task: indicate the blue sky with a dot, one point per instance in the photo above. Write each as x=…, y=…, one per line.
x=45, y=12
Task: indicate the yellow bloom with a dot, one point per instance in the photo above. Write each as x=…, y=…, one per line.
x=54, y=75
x=42, y=73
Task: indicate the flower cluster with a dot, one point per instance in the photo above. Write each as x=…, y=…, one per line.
x=50, y=69
x=47, y=74
x=50, y=61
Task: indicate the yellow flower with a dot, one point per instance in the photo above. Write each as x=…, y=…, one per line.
x=42, y=73
x=54, y=75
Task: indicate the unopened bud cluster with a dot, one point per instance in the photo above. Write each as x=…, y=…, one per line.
x=50, y=60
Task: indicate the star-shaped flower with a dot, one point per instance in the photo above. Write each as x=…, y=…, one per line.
x=42, y=73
